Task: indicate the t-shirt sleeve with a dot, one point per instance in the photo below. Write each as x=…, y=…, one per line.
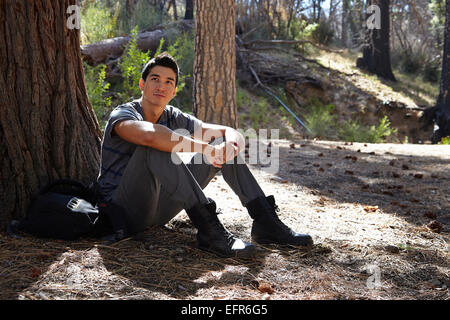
x=119, y=114
x=185, y=121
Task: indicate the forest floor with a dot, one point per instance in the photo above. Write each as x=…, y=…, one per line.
x=379, y=215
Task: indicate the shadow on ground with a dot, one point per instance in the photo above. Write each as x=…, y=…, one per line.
x=414, y=187
x=164, y=263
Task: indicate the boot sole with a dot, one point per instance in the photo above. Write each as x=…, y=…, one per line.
x=270, y=242
x=250, y=253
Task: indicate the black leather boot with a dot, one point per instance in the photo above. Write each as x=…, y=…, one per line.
x=212, y=235
x=269, y=229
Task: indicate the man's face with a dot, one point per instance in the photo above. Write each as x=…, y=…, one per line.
x=159, y=87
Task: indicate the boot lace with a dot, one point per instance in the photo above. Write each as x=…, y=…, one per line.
x=276, y=219
x=221, y=228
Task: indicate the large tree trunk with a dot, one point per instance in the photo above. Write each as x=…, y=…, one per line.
x=376, y=53
x=48, y=129
x=442, y=113
x=215, y=62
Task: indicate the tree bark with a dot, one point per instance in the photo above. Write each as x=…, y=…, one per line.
x=376, y=53
x=215, y=62
x=442, y=115
x=48, y=129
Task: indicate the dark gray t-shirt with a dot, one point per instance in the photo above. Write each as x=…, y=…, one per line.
x=116, y=152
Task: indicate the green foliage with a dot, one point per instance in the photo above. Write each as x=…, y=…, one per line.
x=409, y=62
x=146, y=15
x=353, y=131
x=143, y=15
x=242, y=97
x=437, y=7
x=309, y=29
x=431, y=71
x=317, y=32
x=131, y=64
x=257, y=111
x=321, y=120
x=258, y=114
x=97, y=89
x=182, y=50
x=322, y=32
x=133, y=61
x=301, y=29
x=445, y=140
x=382, y=131
x=98, y=22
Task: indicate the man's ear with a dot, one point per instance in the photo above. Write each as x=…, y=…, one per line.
x=141, y=84
x=175, y=91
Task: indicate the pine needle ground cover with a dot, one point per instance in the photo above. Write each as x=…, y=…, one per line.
x=379, y=215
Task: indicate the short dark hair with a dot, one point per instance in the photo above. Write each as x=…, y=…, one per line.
x=163, y=59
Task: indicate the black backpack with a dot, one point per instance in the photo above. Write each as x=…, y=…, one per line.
x=67, y=209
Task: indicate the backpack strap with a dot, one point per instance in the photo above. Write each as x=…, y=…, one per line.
x=62, y=182
x=73, y=187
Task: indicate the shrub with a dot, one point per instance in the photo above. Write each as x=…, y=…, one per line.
x=146, y=15
x=431, y=71
x=297, y=29
x=98, y=23
x=408, y=61
x=322, y=33
x=242, y=97
x=131, y=64
x=182, y=50
x=380, y=133
x=445, y=140
x=258, y=114
x=97, y=89
x=353, y=131
x=143, y=16
x=133, y=60
x=321, y=120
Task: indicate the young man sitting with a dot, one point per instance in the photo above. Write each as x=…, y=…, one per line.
x=141, y=172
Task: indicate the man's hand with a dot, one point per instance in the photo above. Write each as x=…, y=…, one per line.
x=209, y=131
x=218, y=155
x=236, y=138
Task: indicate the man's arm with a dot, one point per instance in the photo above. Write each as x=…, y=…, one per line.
x=159, y=137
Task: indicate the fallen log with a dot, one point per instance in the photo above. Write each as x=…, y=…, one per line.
x=148, y=40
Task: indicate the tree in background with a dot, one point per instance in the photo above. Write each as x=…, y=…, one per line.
x=48, y=129
x=215, y=62
x=442, y=108
x=376, y=52
x=345, y=15
x=189, y=13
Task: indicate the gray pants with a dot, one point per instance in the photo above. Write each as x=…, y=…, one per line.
x=153, y=189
